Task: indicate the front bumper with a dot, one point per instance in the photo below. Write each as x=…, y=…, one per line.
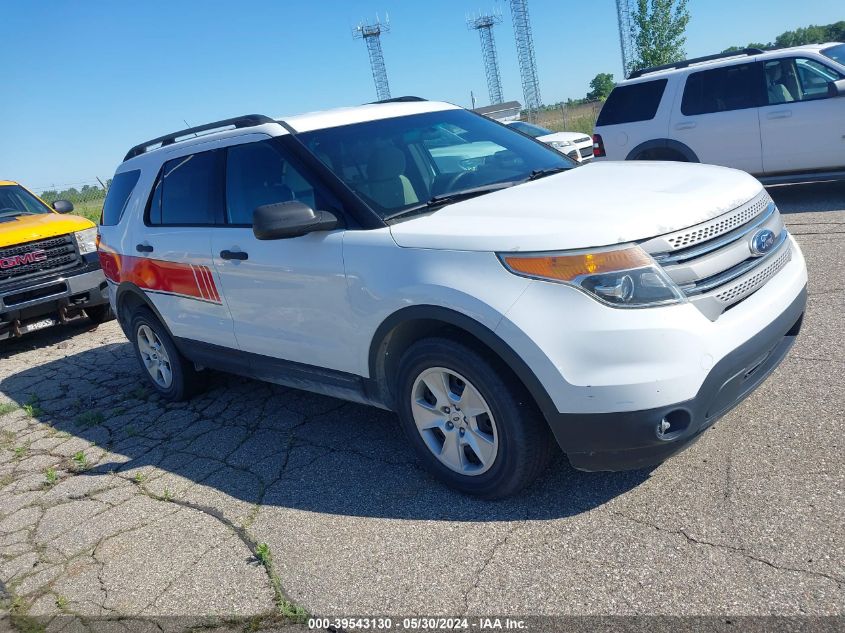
x=58, y=297
x=632, y=439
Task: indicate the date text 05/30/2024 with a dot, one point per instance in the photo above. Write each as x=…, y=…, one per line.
x=418, y=624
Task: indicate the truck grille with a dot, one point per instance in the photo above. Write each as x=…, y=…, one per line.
x=713, y=262
x=59, y=253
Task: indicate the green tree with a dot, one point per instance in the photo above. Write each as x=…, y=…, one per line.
x=601, y=86
x=658, y=31
x=806, y=35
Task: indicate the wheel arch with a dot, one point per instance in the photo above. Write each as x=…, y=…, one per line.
x=407, y=326
x=666, y=144
x=129, y=297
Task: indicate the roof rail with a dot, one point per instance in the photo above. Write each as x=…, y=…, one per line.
x=247, y=120
x=696, y=60
x=405, y=99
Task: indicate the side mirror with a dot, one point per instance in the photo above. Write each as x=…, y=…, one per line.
x=836, y=88
x=289, y=219
x=63, y=206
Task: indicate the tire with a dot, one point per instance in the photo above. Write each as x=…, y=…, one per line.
x=510, y=441
x=658, y=154
x=99, y=314
x=170, y=374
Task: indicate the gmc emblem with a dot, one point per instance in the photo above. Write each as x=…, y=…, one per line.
x=22, y=260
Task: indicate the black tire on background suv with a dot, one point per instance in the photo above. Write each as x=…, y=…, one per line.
x=99, y=314
x=470, y=421
x=169, y=373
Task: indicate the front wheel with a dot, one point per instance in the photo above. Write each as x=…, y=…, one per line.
x=471, y=423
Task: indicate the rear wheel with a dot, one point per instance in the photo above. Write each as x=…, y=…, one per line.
x=662, y=154
x=169, y=373
x=471, y=423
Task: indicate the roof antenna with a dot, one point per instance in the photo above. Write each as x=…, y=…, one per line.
x=188, y=125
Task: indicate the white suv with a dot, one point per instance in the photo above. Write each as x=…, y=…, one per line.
x=496, y=303
x=777, y=114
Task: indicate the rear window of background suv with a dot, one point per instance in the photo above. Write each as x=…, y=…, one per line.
x=118, y=195
x=632, y=102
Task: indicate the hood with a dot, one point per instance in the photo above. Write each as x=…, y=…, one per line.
x=27, y=228
x=595, y=205
x=572, y=137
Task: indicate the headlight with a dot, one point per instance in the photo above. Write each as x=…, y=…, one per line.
x=623, y=277
x=86, y=241
x=561, y=144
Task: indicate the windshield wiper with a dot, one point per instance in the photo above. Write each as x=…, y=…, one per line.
x=448, y=198
x=542, y=173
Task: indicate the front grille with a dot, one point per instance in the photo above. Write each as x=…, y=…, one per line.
x=586, y=152
x=584, y=139
x=61, y=254
x=713, y=262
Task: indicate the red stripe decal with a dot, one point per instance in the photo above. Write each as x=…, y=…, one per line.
x=187, y=280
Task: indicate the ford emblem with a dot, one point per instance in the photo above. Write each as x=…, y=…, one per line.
x=762, y=242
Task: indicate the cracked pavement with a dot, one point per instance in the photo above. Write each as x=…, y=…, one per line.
x=113, y=503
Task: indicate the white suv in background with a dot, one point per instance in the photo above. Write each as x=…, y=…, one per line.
x=776, y=114
x=496, y=302
x=578, y=146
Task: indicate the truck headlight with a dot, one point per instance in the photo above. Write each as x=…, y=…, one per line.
x=623, y=277
x=86, y=241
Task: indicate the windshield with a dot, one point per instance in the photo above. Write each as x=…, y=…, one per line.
x=404, y=163
x=15, y=200
x=836, y=53
x=530, y=129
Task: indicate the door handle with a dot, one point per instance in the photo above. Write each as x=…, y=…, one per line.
x=144, y=248
x=240, y=255
x=779, y=114
x=686, y=125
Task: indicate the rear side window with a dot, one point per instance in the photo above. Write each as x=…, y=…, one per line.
x=633, y=102
x=189, y=191
x=118, y=196
x=723, y=89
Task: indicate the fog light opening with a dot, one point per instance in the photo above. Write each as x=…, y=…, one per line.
x=673, y=424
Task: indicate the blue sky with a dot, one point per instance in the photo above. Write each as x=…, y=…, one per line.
x=84, y=81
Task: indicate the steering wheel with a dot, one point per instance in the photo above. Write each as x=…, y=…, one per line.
x=451, y=186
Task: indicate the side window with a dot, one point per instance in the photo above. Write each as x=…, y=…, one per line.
x=118, y=196
x=723, y=89
x=812, y=78
x=188, y=191
x=632, y=103
x=259, y=174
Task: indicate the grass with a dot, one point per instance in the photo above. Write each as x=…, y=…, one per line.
x=139, y=477
x=90, y=209
x=61, y=602
x=20, y=451
x=8, y=407
x=286, y=608
x=90, y=419
x=31, y=407
x=262, y=553
x=80, y=462
x=580, y=118
x=51, y=476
